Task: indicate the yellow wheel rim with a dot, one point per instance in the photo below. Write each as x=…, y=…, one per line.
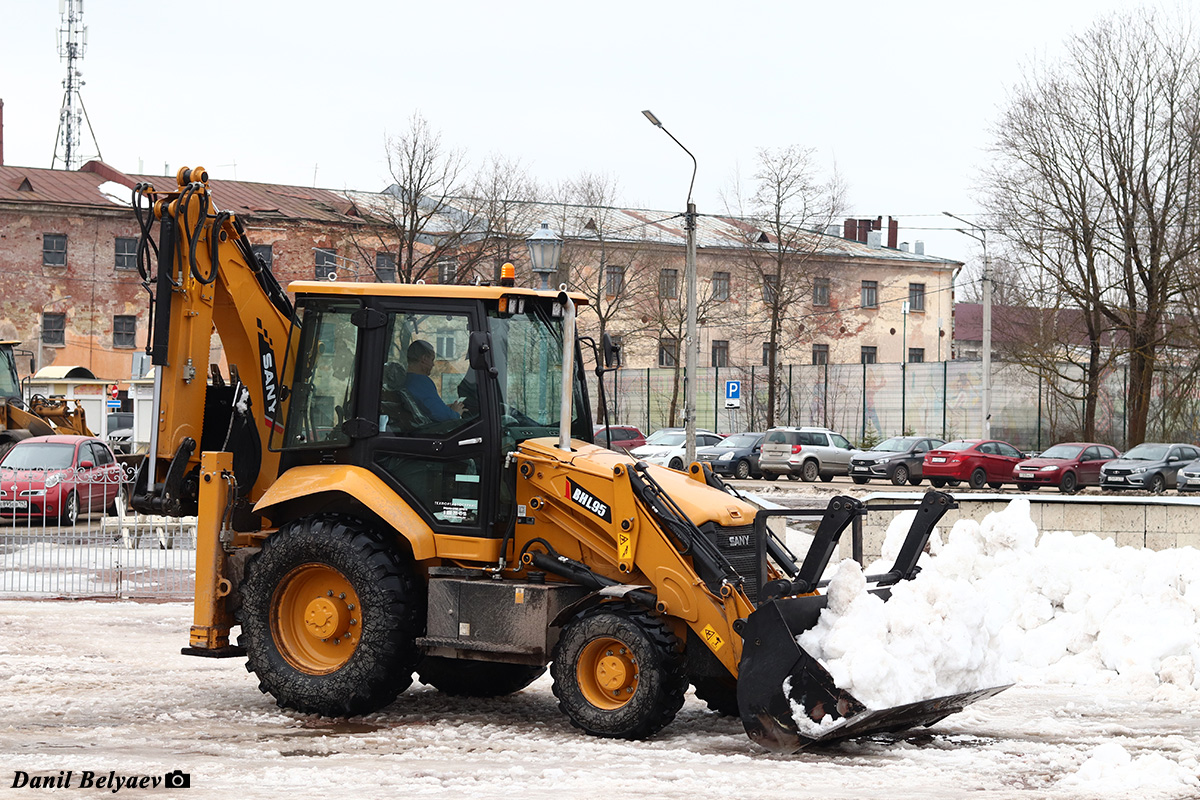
x=607, y=673
x=316, y=619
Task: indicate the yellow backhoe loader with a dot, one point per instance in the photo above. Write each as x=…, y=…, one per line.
x=400, y=479
x=40, y=416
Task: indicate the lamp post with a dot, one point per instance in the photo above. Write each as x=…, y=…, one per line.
x=692, y=350
x=545, y=248
x=986, y=411
x=41, y=329
x=904, y=368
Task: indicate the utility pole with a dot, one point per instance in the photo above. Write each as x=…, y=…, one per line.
x=986, y=388
x=692, y=342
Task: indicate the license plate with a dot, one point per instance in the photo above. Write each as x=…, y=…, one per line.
x=14, y=504
x=937, y=460
x=1117, y=478
x=1193, y=480
x=861, y=469
x=1025, y=475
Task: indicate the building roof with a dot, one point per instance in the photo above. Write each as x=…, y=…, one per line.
x=97, y=184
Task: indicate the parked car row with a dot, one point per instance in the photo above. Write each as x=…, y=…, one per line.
x=811, y=453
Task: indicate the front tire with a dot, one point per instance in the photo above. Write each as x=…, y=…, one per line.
x=900, y=475
x=676, y=463
x=619, y=672
x=463, y=678
x=742, y=470
x=1069, y=483
x=1158, y=484
x=937, y=483
x=859, y=479
x=330, y=611
x=68, y=514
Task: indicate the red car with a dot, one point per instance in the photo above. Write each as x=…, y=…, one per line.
x=1067, y=466
x=57, y=478
x=624, y=437
x=979, y=462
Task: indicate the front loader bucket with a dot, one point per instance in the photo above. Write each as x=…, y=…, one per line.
x=784, y=694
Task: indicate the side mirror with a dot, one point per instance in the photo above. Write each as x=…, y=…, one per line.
x=86, y=464
x=612, y=352
x=479, y=352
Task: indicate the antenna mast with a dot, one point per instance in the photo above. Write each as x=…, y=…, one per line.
x=72, y=42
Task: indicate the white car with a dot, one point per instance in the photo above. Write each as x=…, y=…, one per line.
x=666, y=446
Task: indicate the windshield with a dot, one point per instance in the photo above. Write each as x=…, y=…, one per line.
x=1147, y=452
x=9, y=386
x=740, y=440
x=527, y=352
x=897, y=444
x=960, y=445
x=666, y=440
x=1061, y=451
x=39, y=456
x=658, y=436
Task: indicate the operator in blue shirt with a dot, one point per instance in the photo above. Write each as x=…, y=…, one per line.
x=421, y=357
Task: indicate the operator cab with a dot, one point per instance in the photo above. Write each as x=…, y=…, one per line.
x=10, y=385
x=429, y=387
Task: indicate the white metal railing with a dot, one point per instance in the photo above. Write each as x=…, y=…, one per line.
x=102, y=550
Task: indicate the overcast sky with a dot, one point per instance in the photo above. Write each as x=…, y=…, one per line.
x=901, y=97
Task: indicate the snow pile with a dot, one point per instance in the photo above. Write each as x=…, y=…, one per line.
x=116, y=193
x=995, y=601
x=1110, y=768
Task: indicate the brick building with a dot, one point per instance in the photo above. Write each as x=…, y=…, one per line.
x=68, y=264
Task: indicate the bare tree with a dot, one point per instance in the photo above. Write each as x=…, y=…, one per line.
x=504, y=200
x=781, y=223
x=1095, y=184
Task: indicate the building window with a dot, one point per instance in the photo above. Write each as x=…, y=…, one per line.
x=264, y=253
x=870, y=294
x=668, y=284
x=766, y=354
x=820, y=354
x=916, y=297
x=448, y=270
x=820, y=292
x=385, y=268
x=720, y=353
x=614, y=280
x=720, y=286
x=916, y=355
x=54, y=249
x=124, y=330
x=54, y=328
x=668, y=352
x=869, y=355
x=447, y=347
x=126, y=253
x=326, y=263
x=770, y=289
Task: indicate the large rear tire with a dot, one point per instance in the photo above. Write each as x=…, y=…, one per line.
x=619, y=672
x=462, y=678
x=330, y=611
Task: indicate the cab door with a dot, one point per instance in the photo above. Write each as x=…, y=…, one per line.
x=436, y=418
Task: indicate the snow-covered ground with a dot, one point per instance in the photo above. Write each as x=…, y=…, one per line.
x=1104, y=644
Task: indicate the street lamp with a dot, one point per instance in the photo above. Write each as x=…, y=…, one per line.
x=692, y=349
x=987, y=323
x=545, y=247
x=41, y=329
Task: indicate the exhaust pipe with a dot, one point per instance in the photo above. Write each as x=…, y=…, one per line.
x=568, y=372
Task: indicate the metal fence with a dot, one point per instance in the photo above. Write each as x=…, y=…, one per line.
x=940, y=398
x=102, y=551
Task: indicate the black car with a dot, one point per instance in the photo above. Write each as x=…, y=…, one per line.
x=736, y=455
x=897, y=459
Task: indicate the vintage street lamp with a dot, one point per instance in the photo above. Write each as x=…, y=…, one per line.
x=545, y=247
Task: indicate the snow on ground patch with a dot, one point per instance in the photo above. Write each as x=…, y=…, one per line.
x=996, y=600
x=1110, y=769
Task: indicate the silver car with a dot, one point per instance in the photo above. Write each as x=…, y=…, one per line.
x=804, y=453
